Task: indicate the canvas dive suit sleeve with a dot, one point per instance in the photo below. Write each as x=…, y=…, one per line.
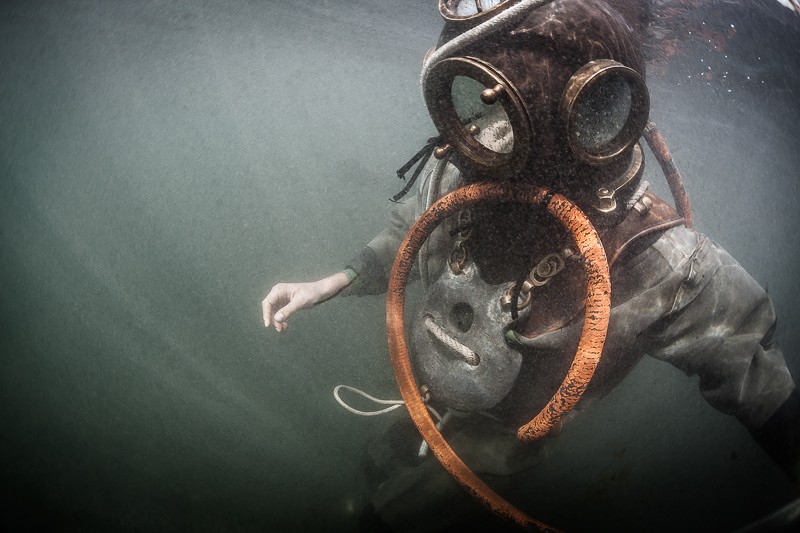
x=719, y=326
x=374, y=263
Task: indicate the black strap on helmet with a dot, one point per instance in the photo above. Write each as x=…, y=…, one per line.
x=422, y=157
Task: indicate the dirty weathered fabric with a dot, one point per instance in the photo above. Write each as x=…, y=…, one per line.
x=683, y=300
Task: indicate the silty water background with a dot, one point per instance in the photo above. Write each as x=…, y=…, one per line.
x=162, y=164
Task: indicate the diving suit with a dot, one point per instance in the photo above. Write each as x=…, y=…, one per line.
x=677, y=296
x=552, y=93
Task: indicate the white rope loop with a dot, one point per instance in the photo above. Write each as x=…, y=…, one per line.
x=459, y=349
x=393, y=404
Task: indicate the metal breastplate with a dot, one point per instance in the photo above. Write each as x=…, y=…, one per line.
x=459, y=347
x=560, y=302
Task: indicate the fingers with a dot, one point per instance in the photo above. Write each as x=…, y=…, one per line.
x=266, y=312
x=283, y=314
x=286, y=298
x=282, y=302
x=280, y=327
x=276, y=298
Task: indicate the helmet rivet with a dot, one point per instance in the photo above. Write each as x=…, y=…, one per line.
x=441, y=151
x=490, y=96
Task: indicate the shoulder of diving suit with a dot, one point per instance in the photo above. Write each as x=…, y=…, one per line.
x=373, y=263
x=639, y=229
x=690, y=259
x=658, y=266
x=451, y=180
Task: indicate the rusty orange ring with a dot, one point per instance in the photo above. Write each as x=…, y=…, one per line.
x=598, y=303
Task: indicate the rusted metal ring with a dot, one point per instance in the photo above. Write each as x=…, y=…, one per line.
x=590, y=347
x=589, y=77
x=468, y=151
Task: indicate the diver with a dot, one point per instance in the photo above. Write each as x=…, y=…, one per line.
x=550, y=94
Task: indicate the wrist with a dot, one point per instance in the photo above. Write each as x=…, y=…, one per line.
x=334, y=284
x=351, y=275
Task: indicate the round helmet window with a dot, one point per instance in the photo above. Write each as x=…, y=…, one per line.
x=605, y=107
x=601, y=112
x=488, y=123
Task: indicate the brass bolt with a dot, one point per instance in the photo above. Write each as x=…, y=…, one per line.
x=425, y=392
x=643, y=206
x=490, y=96
x=442, y=151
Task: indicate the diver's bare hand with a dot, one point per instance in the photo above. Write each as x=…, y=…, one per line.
x=286, y=298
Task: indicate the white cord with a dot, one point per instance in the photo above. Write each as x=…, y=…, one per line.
x=423, y=447
x=434, y=184
x=393, y=404
x=481, y=30
x=466, y=354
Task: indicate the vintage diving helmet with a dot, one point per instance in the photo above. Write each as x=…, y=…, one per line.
x=549, y=93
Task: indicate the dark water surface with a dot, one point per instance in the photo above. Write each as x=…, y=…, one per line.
x=162, y=164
